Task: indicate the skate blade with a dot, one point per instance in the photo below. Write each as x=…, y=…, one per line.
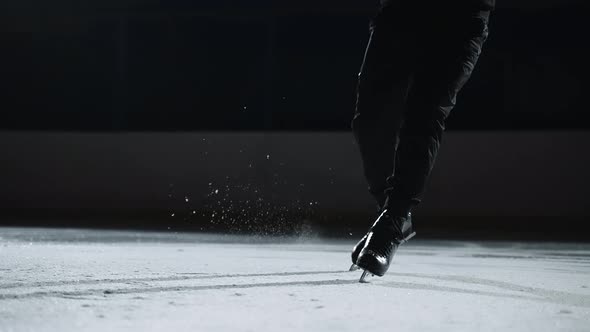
x=353, y=267
x=408, y=238
x=364, y=276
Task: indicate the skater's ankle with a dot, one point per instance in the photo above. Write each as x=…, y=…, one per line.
x=396, y=213
x=398, y=208
x=394, y=223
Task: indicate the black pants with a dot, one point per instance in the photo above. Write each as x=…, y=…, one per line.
x=416, y=62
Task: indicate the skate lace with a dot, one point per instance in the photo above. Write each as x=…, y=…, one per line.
x=386, y=237
x=384, y=251
x=382, y=246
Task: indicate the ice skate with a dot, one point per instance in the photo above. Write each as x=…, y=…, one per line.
x=382, y=241
x=356, y=250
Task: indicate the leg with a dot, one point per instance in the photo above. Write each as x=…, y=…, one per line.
x=432, y=95
x=381, y=93
x=381, y=97
x=430, y=100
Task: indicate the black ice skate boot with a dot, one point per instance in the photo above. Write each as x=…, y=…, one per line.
x=356, y=250
x=386, y=234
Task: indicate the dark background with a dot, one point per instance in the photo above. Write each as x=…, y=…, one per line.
x=148, y=65
x=114, y=112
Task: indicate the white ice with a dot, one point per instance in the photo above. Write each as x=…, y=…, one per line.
x=78, y=280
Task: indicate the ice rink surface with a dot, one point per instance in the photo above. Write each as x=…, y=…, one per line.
x=80, y=280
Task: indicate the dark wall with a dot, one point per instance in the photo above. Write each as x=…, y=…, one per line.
x=502, y=181
x=262, y=65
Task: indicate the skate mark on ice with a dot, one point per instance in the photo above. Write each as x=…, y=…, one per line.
x=481, y=281
x=94, y=281
x=567, y=254
x=419, y=253
x=530, y=293
x=179, y=277
x=101, y=292
x=559, y=258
